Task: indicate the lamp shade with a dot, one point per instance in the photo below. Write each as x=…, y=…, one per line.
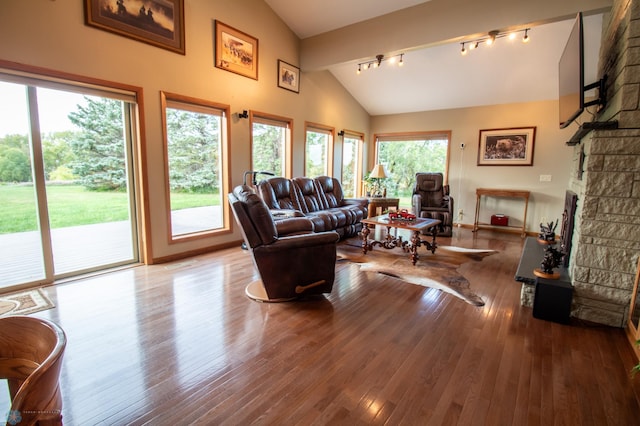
x=378, y=172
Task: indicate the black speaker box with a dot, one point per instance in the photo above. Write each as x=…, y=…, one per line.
x=552, y=301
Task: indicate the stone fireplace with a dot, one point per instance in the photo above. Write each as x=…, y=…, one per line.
x=606, y=179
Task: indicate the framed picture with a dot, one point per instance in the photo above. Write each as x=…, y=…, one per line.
x=506, y=147
x=236, y=51
x=159, y=23
x=288, y=76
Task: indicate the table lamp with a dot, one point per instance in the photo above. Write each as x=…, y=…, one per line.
x=378, y=173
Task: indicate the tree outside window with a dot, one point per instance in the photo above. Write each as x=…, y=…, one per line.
x=404, y=156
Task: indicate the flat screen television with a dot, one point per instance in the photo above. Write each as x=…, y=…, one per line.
x=571, y=76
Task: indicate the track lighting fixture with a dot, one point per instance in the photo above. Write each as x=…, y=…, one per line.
x=491, y=37
x=243, y=114
x=375, y=63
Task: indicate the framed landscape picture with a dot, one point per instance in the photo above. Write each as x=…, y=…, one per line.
x=288, y=76
x=236, y=51
x=159, y=23
x=506, y=147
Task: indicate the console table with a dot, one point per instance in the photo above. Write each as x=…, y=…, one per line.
x=504, y=193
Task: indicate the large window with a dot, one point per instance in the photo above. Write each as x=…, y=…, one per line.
x=196, y=150
x=405, y=154
x=351, y=163
x=271, y=144
x=66, y=178
x=318, y=154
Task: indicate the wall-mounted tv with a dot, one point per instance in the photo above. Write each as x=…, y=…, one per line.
x=571, y=76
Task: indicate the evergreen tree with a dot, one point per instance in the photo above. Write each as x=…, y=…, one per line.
x=267, y=149
x=193, y=147
x=99, y=147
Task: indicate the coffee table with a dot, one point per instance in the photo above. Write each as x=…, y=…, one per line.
x=391, y=240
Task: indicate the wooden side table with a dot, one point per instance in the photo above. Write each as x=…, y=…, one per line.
x=383, y=204
x=506, y=193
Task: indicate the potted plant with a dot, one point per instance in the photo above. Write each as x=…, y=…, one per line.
x=369, y=184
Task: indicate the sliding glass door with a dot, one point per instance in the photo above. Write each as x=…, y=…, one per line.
x=21, y=244
x=66, y=192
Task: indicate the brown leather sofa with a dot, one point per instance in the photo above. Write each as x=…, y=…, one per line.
x=302, y=262
x=319, y=199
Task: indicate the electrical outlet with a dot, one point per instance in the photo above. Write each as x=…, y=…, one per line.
x=545, y=178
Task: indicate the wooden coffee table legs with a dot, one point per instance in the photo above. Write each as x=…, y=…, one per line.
x=416, y=242
x=392, y=241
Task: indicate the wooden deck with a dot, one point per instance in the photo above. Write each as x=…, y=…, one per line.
x=75, y=248
x=87, y=247
x=180, y=343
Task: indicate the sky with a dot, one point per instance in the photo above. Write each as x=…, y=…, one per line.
x=54, y=107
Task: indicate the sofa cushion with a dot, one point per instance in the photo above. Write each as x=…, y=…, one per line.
x=331, y=191
x=310, y=198
x=279, y=194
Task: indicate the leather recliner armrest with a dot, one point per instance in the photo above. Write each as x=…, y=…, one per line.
x=297, y=241
x=416, y=203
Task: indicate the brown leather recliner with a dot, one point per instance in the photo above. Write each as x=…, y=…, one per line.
x=298, y=264
x=431, y=200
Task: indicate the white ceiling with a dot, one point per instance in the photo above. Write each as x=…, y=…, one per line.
x=440, y=77
x=307, y=18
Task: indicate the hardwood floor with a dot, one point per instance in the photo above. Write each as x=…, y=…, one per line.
x=180, y=343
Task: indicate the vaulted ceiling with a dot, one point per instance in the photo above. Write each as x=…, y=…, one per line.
x=337, y=35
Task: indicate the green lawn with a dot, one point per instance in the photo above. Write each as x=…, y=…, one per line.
x=71, y=205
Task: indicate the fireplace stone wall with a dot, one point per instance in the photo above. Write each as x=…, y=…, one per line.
x=606, y=177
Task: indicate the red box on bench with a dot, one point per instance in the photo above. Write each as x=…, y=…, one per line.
x=499, y=220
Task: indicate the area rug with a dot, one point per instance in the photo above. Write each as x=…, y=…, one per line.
x=438, y=270
x=24, y=302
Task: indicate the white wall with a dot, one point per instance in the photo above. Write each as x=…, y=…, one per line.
x=551, y=157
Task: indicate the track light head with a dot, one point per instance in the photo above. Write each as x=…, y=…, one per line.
x=377, y=62
x=491, y=37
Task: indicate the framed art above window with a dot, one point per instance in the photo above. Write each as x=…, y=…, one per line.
x=288, y=76
x=160, y=24
x=236, y=51
x=506, y=147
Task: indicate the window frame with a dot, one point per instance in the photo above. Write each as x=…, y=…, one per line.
x=272, y=119
x=204, y=106
x=330, y=132
x=416, y=136
x=358, y=171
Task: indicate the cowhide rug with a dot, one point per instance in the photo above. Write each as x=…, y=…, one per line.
x=438, y=270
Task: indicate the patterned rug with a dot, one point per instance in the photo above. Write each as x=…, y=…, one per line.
x=24, y=302
x=438, y=270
